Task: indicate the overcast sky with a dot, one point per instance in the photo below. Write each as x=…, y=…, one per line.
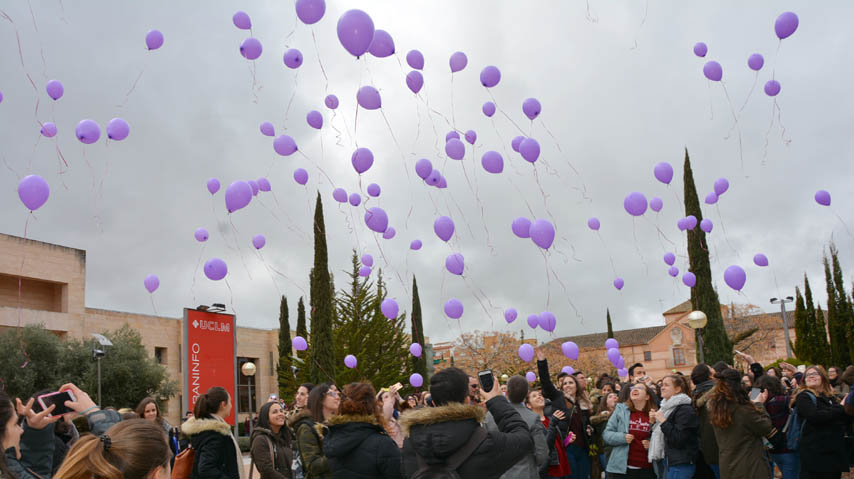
x=620, y=91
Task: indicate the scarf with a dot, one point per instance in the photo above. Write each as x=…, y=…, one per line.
x=656, y=443
x=240, y=469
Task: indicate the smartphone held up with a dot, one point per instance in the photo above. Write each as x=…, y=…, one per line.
x=56, y=399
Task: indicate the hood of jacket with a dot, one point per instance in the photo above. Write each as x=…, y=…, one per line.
x=276, y=438
x=703, y=397
x=303, y=415
x=347, y=432
x=702, y=389
x=438, y=432
x=194, y=426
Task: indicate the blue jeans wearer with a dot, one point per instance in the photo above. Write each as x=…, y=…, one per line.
x=716, y=469
x=682, y=471
x=789, y=464
x=579, y=462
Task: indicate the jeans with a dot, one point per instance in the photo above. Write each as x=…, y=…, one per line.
x=579, y=462
x=603, y=462
x=789, y=464
x=717, y=470
x=682, y=471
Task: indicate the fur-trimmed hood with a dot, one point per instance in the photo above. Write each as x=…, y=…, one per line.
x=434, y=415
x=437, y=432
x=348, y=418
x=194, y=426
x=705, y=397
x=347, y=433
x=300, y=416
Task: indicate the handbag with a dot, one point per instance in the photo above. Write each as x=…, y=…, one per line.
x=183, y=467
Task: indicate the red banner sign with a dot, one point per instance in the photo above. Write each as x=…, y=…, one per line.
x=210, y=357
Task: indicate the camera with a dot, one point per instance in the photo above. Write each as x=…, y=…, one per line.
x=98, y=353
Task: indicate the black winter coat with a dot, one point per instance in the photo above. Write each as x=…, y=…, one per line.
x=357, y=447
x=822, y=445
x=215, y=454
x=681, y=438
x=435, y=433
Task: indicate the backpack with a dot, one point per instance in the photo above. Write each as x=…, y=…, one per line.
x=298, y=470
x=183, y=467
x=794, y=428
x=448, y=470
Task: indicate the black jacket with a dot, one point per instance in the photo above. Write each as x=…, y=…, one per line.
x=550, y=392
x=215, y=454
x=357, y=447
x=437, y=432
x=680, y=433
x=822, y=446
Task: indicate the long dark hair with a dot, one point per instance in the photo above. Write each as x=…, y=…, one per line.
x=7, y=412
x=208, y=403
x=726, y=396
x=264, y=422
x=315, y=401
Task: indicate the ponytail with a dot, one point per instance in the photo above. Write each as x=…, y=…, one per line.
x=208, y=403
x=129, y=450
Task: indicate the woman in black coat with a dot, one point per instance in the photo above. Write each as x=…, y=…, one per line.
x=822, y=444
x=216, y=453
x=357, y=445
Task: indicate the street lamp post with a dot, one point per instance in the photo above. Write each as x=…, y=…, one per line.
x=782, y=302
x=248, y=369
x=697, y=321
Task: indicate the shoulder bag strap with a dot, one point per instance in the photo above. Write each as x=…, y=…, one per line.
x=458, y=458
x=273, y=454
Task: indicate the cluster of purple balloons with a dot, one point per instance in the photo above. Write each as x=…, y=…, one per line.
x=541, y=232
x=433, y=177
x=239, y=194
x=529, y=148
x=617, y=360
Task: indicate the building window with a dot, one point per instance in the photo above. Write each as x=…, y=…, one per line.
x=647, y=355
x=678, y=357
x=247, y=390
x=160, y=355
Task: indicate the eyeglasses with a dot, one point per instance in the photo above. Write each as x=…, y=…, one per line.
x=332, y=393
x=812, y=375
x=639, y=388
x=474, y=386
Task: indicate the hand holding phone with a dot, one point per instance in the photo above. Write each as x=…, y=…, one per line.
x=35, y=420
x=57, y=400
x=487, y=380
x=754, y=394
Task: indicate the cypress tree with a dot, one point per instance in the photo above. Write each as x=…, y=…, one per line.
x=322, y=367
x=287, y=378
x=819, y=336
x=302, y=330
x=716, y=344
x=813, y=353
x=802, y=329
x=419, y=365
x=608, y=319
x=846, y=310
x=839, y=353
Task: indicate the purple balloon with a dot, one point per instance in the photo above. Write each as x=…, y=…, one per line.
x=455, y=149
x=492, y=162
x=570, y=350
x=621, y=363
x=635, y=204
x=455, y=263
x=310, y=11
x=355, y=32
x=706, y=225
x=622, y=372
x=367, y=260
x=772, y=88
x=369, y=98
x=48, y=129
x=350, y=361
x=251, y=48
x=382, y=44
x=530, y=149
x=531, y=108
x=389, y=233
x=267, y=129
x=458, y=61
x=355, y=199
x=416, y=380
x=376, y=219
x=673, y=271
x=258, y=241
x=451, y=135
x=301, y=176
x=299, y=343
x=340, y=195
x=593, y=224
x=88, y=132
x=822, y=197
x=682, y=224
x=284, y=145
x=619, y=283
x=526, y=352
x=613, y=355
x=721, y=186
x=151, y=283
x=510, y=315
x=516, y=142
x=254, y=185
x=415, y=245
x=237, y=196
x=490, y=76
x=690, y=222
x=154, y=39
x=471, y=137
x=760, y=259
x=331, y=102
x=689, y=279
x=786, y=25
x=454, y=308
x=444, y=228
x=117, y=129
x=611, y=343
x=54, y=89
x=423, y=168
x=530, y=376
x=548, y=321
x=663, y=172
x=292, y=58
x=365, y=271
x=433, y=178
x=669, y=258
x=414, y=81
x=655, y=204
x=567, y=370
x=755, y=62
x=415, y=59
x=488, y=109
x=241, y=20
x=700, y=49
x=215, y=269
x=33, y=191
x=374, y=190
x=443, y=183
x=1, y=97
x=522, y=227
x=264, y=184
x=533, y=320
x=201, y=235
x=389, y=308
x=362, y=159
x=213, y=186
x=735, y=277
x=713, y=71
x=542, y=233
x=711, y=198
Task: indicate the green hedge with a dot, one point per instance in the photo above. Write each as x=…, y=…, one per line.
x=243, y=442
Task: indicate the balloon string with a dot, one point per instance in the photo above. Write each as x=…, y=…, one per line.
x=548, y=280
x=503, y=112
x=133, y=86
x=608, y=252
x=543, y=193
x=426, y=100
x=403, y=165
x=569, y=162
x=290, y=102
x=272, y=278
x=589, y=14
x=20, y=295
x=288, y=278
x=723, y=228
x=843, y=223
x=640, y=27
x=151, y=297
x=231, y=301
x=482, y=217
x=338, y=135
x=738, y=127
x=637, y=247
x=319, y=62
x=749, y=94
x=566, y=295
x=453, y=113
x=331, y=183
x=253, y=87
x=237, y=243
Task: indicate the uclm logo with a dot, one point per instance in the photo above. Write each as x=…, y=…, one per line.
x=212, y=326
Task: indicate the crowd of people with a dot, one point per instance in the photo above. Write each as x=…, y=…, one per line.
x=715, y=423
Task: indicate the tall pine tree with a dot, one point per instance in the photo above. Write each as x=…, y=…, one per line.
x=846, y=309
x=322, y=354
x=716, y=344
x=302, y=330
x=839, y=352
x=419, y=365
x=818, y=333
x=610, y=326
x=287, y=378
x=813, y=353
x=802, y=328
